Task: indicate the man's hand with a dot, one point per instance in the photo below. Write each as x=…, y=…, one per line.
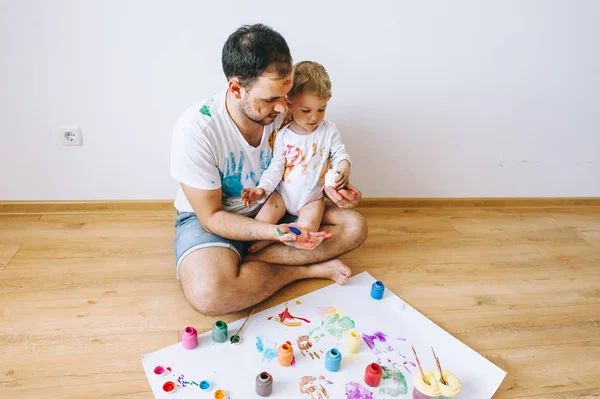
x=250, y=195
x=346, y=198
x=305, y=240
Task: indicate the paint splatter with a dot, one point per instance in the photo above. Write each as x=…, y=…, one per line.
x=334, y=325
x=293, y=364
x=259, y=344
x=370, y=339
x=268, y=349
x=354, y=390
x=351, y=357
x=205, y=110
x=305, y=346
x=298, y=303
x=313, y=387
x=286, y=315
x=388, y=351
x=329, y=310
x=401, y=387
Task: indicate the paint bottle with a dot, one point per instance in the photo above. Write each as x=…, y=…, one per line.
x=353, y=342
x=189, y=338
x=377, y=290
x=333, y=360
x=285, y=354
x=264, y=384
x=373, y=375
x=219, y=331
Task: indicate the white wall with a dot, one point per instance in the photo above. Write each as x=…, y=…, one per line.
x=434, y=98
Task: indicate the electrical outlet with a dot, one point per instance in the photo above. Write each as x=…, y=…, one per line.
x=71, y=135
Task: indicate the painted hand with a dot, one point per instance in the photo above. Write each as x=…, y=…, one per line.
x=342, y=179
x=305, y=240
x=346, y=198
x=250, y=195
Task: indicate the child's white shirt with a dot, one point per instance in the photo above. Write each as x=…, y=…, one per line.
x=300, y=162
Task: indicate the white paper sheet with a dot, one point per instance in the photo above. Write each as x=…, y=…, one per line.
x=233, y=368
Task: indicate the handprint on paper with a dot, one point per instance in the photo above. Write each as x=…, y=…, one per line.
x=313, y=387
x=306, y=347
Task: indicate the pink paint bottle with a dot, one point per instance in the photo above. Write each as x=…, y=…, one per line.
x=189, y=338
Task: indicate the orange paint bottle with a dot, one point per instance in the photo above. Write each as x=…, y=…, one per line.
x=285, y=355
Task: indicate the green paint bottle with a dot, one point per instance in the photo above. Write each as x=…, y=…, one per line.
x=219, y=331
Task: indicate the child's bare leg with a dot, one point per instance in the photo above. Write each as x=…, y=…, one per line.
x=311, y=215
x=271, y=212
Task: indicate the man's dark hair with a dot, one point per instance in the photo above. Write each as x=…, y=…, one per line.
x=254, y=49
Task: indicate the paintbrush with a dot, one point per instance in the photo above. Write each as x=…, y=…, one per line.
x=420, y=368
x=437, y=361
x=236, y=337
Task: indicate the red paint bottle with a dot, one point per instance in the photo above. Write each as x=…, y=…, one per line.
x=373, y=375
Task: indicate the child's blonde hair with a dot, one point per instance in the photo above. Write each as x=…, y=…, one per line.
x=311, y=77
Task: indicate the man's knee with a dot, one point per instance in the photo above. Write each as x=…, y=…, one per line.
x=202, y=278
x=205, y=302
x=355, y=227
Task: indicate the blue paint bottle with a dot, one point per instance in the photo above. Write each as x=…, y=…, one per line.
x=377, y=290
x=333, y=360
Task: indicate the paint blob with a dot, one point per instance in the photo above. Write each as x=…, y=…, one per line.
x=354, y=390
x=169, y=386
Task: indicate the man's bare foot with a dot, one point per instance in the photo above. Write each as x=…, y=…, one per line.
x=333, y=269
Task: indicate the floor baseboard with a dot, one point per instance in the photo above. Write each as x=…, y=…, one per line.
x=33, y=207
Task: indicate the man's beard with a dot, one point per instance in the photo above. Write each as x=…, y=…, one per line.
x=247, y=111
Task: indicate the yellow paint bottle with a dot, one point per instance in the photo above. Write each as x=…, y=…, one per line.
x=353, y=342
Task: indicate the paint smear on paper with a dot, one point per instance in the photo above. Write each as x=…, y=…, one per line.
x=268, y=350
x=329, y=311
x=286, y=315
x=351, y=357
x=401, y=387
x=334, y=325
x=354, y=390
x=313, y=387
x=293, y=356
x=298, y=303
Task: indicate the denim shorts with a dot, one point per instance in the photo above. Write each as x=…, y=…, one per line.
x=190, y=236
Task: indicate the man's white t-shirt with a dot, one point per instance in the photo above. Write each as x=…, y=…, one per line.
x=208, y=152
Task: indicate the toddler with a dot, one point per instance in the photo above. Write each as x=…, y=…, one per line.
x=308, y=154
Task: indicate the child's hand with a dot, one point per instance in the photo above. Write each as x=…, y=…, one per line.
x=342, y=180
x=250, y=195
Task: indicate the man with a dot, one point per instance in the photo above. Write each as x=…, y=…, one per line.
x=221, y=146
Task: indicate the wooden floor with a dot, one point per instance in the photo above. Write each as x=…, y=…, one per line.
x=82, y=296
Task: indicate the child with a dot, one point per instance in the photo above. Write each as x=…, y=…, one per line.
x=307, y=154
